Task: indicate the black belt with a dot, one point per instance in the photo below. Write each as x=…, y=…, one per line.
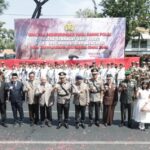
x=94, y=92
x=62, y=95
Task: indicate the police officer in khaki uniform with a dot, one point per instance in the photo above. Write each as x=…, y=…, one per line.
x=127, y=90
x=63, y=90
x=81, y=100
x=96, y=96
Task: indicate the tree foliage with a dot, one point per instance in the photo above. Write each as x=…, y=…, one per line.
x=6, y=37
x=136, y=12
x=86, y=13
x=3, y=6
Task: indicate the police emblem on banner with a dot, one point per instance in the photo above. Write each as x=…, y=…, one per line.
x=69, y=27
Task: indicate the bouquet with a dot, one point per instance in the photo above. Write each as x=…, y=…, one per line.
x=146, y=107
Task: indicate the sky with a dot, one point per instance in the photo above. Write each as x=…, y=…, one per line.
x=52, y=9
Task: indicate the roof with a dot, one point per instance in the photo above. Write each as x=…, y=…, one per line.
x=143, y=30
x=145, y=33
x=8, y=51
x=144, y=36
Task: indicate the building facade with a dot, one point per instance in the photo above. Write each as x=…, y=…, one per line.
x=138, y=47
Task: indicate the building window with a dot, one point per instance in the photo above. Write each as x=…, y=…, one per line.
x=135, y=44
x=143, y=44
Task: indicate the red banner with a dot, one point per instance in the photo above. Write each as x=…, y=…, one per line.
x=125, y=61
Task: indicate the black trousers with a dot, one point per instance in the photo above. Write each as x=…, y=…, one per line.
x=80, y=110
x=3, y=112
x=17, y=107
x=95, y=105
x=46, y=113
x=124, y=109
x=63, y=108
x=34, y=112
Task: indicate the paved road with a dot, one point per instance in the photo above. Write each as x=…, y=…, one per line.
x=91, y=138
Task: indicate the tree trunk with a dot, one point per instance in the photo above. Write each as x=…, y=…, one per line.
x=38, y=9
x=95, y=7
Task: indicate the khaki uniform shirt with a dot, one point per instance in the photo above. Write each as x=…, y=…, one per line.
x=45, y=98
x=81, y=94
x=62, y=96
x=95, y=89
x=30, y=89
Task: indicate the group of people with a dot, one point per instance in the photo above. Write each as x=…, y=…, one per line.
x=98, y=88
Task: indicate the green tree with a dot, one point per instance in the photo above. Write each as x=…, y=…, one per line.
x=136, y=12
x=86, y=13
x=6, y=35
x=3, y=6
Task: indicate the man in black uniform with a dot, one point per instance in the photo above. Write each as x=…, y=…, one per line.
x=2, y=100
x=127, y=90
x=15, y=88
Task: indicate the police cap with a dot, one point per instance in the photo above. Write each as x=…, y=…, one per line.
x=62, y=74
x=94, y=71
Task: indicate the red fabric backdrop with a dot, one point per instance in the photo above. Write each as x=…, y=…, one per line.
x=126, y=61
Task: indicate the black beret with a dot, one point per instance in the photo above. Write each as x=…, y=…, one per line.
x=79, y=77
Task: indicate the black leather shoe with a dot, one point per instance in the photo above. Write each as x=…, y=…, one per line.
x=42, y=125
x=109, y=124
x=59, y=126
x=129, y=126
x=37, y=123
x=77, y=126
x=90, y=124
x=31, y=124
x=4, y=125
x=97, y=124
x=20, y=124
x=15, y=125
x=122, y=124
x=105, y=124
x=83, y=125
x=66, y=125
x=49, y=124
